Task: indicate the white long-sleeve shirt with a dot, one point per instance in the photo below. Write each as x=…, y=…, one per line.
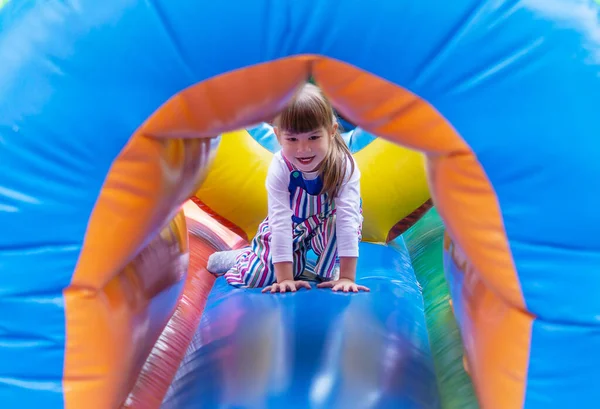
x=347, y=202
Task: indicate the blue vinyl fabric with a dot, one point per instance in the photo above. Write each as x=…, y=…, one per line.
x=518, y=80
x=314, y=349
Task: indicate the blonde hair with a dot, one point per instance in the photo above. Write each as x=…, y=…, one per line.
x=308, y=111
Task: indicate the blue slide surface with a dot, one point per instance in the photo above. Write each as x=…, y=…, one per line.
x=314, y=348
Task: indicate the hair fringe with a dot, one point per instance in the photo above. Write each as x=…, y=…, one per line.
x=310, y=110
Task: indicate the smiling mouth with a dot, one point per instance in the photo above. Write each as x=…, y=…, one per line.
x=305, y=161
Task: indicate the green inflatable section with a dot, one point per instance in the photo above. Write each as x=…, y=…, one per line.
x=424, y=242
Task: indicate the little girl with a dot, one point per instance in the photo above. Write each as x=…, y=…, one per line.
x=313, y=188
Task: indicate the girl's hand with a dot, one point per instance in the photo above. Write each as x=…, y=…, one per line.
x=344, y=285
x=283, y=286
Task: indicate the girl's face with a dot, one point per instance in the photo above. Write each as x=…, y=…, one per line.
x=306, y=150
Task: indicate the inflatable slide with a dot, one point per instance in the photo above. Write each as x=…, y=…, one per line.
x=115, y=120
x=314, y=348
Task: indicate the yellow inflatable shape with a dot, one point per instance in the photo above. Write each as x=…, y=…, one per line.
x=235, y=186
x=393, y=184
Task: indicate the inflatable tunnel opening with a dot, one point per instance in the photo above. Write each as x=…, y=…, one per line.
x=487, y=110
x=233, y=178
x=169, y=159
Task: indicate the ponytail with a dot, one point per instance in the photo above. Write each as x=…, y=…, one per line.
x=333, y=167
x=310, y=110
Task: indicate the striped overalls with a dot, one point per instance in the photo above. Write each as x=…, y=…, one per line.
x=313, y=223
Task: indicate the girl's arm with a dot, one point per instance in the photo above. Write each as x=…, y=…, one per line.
x=280, y=219
x=348, y=224
x=283, y=271
x=348, y=268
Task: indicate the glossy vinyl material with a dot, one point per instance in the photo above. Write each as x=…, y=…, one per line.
x=101, y=142
x=205, y=236
x=243, y=157
x=315, y=348
x=424, y=242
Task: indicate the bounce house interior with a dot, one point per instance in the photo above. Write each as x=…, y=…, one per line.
x=135, y=139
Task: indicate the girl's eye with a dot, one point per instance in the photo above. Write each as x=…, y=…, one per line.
x=314, y=137
x=292, y=139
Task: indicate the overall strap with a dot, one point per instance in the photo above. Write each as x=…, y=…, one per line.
x=288, y=163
